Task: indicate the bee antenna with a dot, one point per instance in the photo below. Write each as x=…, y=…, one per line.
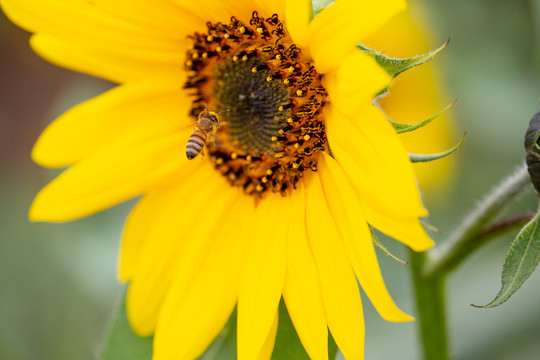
x=206, y=106
x=221, y=112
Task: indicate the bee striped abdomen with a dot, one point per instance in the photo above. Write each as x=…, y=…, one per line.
x=195, y=144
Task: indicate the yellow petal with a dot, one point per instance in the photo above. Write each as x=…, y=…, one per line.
x=95, y=123
x=370, y=152
x=161, y=16
x=113, y=174
x=136, y=230
x=349, y=218
x=178, y=238
x=268, y=347
x=206, y=10
x=355, y=82
x=339, y=27
x=83, y=21
x=197, y=307
x=298, y=14
x=339, y=289
x=302, y=288
x=409, y=231
x=264, y=274
x=110, y=63
x=270, y=7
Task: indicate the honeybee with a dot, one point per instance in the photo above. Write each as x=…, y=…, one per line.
x=203, y=133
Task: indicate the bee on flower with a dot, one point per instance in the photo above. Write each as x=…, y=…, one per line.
x=204, y=132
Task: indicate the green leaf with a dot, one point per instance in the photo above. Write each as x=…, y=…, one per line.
x=288, y=345
x=122, y=343
x=403, y=128
x=384, y=249
x=395, y=66
x=430, y=157
x=520, y=262
x=319, y=5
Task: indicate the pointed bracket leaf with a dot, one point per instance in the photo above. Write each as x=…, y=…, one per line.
x=378, y=244
x=320, y=5
x=122, y=343
x=520, y=262
x=395, y=66
x=429, y=227
x=430, y=157
x=403, y=128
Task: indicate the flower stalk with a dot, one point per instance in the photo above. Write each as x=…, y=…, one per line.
x=430, y=303
x=472, y=234
x=429, y=269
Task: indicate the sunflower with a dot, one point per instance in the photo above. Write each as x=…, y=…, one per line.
x=296, y=165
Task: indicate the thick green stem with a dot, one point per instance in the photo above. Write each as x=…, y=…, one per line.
x=430, y=304
x=470, y=235
x=429, y=270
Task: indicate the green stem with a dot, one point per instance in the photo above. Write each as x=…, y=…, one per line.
x=430, y=303
x=471, y=234
x=429, y=270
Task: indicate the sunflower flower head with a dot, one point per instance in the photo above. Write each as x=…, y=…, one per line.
x=254, y=71
x=249, y=132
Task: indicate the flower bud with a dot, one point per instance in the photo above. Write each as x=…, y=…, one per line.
x=532, y=146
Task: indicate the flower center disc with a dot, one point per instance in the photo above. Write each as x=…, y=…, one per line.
x=271, y=99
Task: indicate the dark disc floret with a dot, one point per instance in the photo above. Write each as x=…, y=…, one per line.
x=271, y=98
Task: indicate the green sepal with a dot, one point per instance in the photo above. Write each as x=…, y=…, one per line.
x=122, y=343
x=320, y=5
x=395, y=66
x=430, y=157
x=520, y=262
x=430, y=227
x=403, y=128
x=378, y=244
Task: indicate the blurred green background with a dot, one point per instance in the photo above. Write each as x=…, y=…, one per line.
x=58, y=282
